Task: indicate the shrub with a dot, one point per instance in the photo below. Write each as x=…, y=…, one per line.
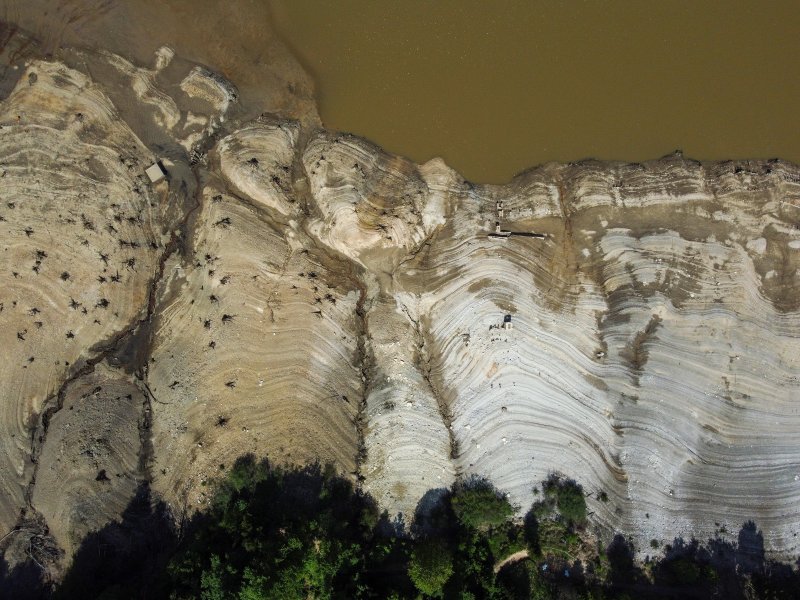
x=571, y=503
x=569, y=499
x=543, y=508
x=431, y=566
x=506, y=539
x=478, y=504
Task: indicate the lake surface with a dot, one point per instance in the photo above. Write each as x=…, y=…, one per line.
x=497, y=87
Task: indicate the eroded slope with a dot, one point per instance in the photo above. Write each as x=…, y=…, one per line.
x=255, y=352
x=316, y=299
x=81, y=237
x=652, y=355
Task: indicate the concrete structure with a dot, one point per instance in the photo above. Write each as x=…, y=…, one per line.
x=529, y=234
x=156, y=172
x=499, y=234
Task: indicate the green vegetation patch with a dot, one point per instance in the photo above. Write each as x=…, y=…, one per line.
x=431, y=566
x=276, y=533
x=569, y=498
x=478, y=504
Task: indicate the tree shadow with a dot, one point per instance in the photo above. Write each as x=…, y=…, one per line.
x=124, y=559
x=267, y=524
x=31, y=560
x=129, y=558
x=621, y=560
x=24, y=581
x=719, y=568
x=430, y=515
x=750, y=549
x=531, y=531
x=514, y=581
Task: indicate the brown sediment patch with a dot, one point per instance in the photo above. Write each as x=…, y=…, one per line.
x=779, y=269
x=236, y=40
x=635, y=352
x=597, y=382
x=505, y=305
x=479, y=285
x=612, y=464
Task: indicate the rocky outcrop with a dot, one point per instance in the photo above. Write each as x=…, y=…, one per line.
x=302, y=295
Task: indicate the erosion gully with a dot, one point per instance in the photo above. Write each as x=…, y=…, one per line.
x=139, y=332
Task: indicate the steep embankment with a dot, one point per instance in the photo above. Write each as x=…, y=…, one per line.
x=303, y=295
x=653, y=350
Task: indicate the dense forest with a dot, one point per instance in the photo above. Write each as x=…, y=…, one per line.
x=277, y=533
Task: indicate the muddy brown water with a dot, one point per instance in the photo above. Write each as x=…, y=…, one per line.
x=234, y=38
x=496, y=87
x=492, y=87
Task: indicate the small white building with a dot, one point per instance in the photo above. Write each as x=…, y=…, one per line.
x=156, y=172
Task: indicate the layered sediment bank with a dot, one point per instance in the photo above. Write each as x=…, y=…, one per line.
x=300, y=294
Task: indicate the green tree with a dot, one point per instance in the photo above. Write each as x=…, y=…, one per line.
x=571, y=502
x=275, y=533
x=569, y=496
x=211, y=581
x=431, y=566
x=478, y=504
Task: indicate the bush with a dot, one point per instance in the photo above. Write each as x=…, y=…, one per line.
x=684, y=571
x=571, y=503
x=569, y=497
x=543, y=508
x=506, y=539
x=275, y=533
x=431, y=566
x=478, y=504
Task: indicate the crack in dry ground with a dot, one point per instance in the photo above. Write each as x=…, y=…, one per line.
x=423, y=364
x=141, y=327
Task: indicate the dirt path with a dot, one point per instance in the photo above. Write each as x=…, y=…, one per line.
x=510, y=558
